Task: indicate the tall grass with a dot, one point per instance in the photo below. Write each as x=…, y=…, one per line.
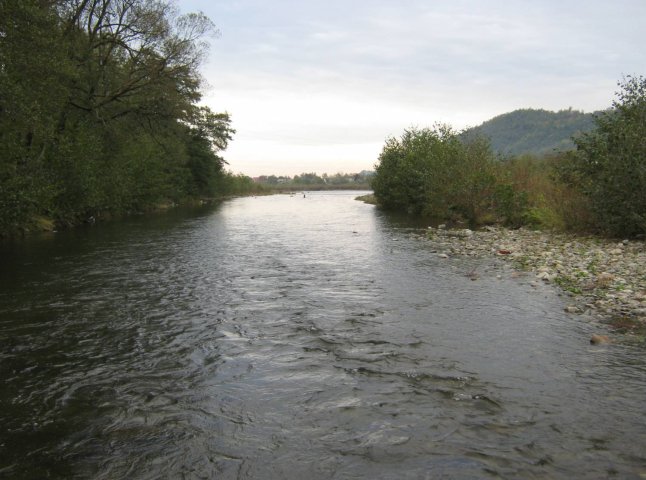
x=548, y=202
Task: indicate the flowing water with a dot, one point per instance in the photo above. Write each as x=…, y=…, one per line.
x=308, y=338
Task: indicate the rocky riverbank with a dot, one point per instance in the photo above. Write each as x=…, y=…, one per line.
x=601, y=276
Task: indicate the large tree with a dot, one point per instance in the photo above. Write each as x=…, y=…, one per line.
x=34, y=72
x=134, y=56
x=99, y=108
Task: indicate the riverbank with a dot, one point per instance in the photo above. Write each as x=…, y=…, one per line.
x=603, y=277
x=317, y=187
x=42, y=224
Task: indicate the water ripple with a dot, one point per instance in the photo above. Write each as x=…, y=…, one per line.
x=284, y=337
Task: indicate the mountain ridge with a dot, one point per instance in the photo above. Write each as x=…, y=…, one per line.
x=533, y=131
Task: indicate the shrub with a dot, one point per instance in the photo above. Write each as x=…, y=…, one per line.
x=609, y=166
x=433, y=172
x=511, y=204
x=536, y=196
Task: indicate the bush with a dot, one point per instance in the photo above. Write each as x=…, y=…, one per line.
x=432, y=172
x=533, y=194
x=511, y=204
x=609, y=166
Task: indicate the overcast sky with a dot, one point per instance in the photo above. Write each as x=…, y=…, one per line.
x=317, y=86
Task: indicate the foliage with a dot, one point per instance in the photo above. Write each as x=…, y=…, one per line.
x=531, y=131
x=609, y=165
x=307, y=179
x=512, y=204
x=474, y=181
x=600, y=186
x=312, y=180
x=433, y=172
x=239, y=184
x=369, y=199
x=568, y=283
x=99, y=110
x=453, y=177
x=531, y=193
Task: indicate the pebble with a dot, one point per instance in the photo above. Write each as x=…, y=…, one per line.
x=600, y=275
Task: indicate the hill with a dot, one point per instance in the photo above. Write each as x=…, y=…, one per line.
x=533, y=131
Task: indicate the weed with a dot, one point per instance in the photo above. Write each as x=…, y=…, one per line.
x=523, y=262
x=568, y=284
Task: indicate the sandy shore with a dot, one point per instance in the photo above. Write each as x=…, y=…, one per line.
x=603, y=277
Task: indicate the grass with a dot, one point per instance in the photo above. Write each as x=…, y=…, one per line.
x=523, y=263
x=44, y=224
x=568, y=284
x=370, y=198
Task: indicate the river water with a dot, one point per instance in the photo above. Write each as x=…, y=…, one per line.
x=285, y=337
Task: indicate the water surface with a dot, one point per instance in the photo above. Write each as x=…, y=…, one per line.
x=288, y=337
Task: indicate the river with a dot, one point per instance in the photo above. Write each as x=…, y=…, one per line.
x=291, y=337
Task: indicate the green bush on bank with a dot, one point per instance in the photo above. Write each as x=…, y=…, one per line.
x=435, y=173
x=609, y=164
x=440, y=174
x=599, y=187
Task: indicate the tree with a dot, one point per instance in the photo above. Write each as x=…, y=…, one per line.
x=310, y=178
x=33, y=73
x=134, y=56
x=609, y=165
x=99, y=109
x=475, y=181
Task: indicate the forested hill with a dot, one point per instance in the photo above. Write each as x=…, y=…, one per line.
x=534, y=131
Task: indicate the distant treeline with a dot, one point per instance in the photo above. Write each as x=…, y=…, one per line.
x=99, y=111
x=313, y=181
x=597, y=186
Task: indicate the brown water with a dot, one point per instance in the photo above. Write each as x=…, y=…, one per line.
x=298, y=338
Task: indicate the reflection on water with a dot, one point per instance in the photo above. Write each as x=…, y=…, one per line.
x=289, y=337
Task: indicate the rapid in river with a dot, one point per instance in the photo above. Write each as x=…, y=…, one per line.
x=291, y=337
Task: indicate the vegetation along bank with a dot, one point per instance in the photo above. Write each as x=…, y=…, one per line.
x=597, y=187
x=100, y=112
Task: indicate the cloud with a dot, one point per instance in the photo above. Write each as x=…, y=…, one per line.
x=325, y=80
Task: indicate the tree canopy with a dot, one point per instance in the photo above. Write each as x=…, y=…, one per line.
x=99, y=109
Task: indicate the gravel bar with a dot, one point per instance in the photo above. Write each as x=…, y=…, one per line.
x=602, y=276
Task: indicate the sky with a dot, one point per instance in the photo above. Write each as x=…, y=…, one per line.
x=319, y=85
